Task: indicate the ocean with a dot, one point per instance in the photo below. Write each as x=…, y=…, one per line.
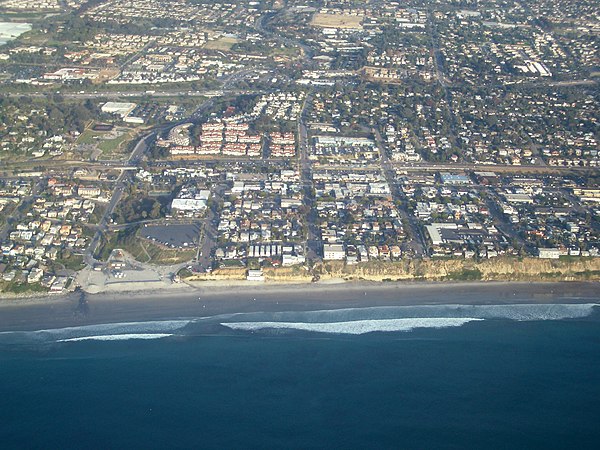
x=422, y=377
x=9, y=31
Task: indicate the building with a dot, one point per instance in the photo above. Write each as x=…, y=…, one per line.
x=290, y=260
x=255, y=275
x=588, y=195
x=435, y=231
x=188, y=204
x=518, y=198
x=334, y=252
x=122, y=109
x=454, y=179
x=548, y=253
x=88, y=191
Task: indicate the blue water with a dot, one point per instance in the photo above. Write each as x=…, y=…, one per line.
x=493, y=383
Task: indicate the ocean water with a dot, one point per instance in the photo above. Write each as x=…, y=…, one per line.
x=9, y=31
x=522, y=376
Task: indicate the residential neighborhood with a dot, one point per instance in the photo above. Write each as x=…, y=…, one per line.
x=215, y=138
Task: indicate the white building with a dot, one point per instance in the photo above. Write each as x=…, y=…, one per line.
x=334, y=252
x=548, y=253
x=434, y=231
x=188, y=204
x=122, y=109
x=255, y=275
x=290, y=260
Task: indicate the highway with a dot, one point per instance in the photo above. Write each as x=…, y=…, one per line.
x=259, y=25
x=133, y=93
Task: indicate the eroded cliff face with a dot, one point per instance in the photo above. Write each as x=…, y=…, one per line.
x=219, y=275
x=509, y=269
x=496, y=269
x=281, y=274
x=296, y=274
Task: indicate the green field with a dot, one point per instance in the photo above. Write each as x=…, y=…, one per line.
x=107, y=146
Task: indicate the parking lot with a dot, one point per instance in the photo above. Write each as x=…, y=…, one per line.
x=173, y=236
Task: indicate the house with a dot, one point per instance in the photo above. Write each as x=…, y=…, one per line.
x=333, y=252
x=548, y=253
x=255, y=275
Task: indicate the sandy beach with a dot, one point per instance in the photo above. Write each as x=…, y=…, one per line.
x=211, y=299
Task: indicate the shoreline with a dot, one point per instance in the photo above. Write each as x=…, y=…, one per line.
x=79, y=309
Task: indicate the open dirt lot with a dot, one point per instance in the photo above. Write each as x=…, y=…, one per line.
x=337, y=21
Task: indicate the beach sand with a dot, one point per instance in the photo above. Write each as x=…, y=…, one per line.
x=218, y=298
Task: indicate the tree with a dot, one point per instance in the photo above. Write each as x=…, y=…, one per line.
x=155, y=213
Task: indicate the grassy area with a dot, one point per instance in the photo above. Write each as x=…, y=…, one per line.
x=114, y=145
x=89, y=137
x=290, y=52
x=125, y=239
x=97, y=215
x=588, y=275
x=224, y=43
x=21, y=288
x=72, y=262
x=104, y=141
x=7, y=211
x=231, y=263
x=185, y=273
x=143, y=250
x=159, y=255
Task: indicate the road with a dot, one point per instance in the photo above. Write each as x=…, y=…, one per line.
x=208, y=233
x=132, y=162
x=120, y=184
x=134, y=93
x=436, y=54
x=415, y=244
x=402, y=166
x=501, y=222
x=259, y=25
x=313, y=243
x=18, y=210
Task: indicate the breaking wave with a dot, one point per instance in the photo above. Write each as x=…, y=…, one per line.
x=117, y=337
x=354, y=327
x=343, y=321
x=519, y=312
x=403, y=318
x=110, y=331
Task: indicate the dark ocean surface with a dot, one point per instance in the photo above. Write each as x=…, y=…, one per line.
x=520, y=378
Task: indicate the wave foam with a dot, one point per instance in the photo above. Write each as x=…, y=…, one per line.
x=355, y=327
x=519, y=312
x=88, y=332
x=117, y=337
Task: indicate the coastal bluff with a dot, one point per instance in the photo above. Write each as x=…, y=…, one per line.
x=428, y=269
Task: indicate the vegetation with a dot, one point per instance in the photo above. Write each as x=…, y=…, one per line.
x=70, y=261
x=137, y=206
x=52, y=115
x=21, y=288
x=465, y=275
x=142, y=249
